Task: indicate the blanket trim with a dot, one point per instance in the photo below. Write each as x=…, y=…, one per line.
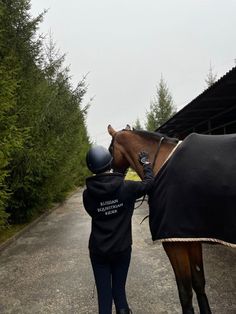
x=171, y=153
x=196, y=239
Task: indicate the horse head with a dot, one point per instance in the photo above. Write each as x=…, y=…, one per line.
x=120, y=162
x=126, y=145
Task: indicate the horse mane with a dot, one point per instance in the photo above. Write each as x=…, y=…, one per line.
x=155, y=135
x=147, y=134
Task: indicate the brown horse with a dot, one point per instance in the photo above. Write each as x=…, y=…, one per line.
x=185, y=257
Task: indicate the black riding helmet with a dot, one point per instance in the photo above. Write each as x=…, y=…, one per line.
x=98, y=159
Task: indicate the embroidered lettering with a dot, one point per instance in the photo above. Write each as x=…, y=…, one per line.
x=110, y=212
x=110, y=207
x=109, y=202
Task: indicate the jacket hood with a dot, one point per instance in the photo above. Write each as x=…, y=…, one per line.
x=104, y=184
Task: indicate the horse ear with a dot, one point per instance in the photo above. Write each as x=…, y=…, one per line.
x=128, y=127
x=110, y=130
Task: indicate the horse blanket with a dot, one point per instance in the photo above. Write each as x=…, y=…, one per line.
x=194, y=195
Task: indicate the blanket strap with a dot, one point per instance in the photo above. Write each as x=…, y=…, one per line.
x=153, y=164
x=157, y=152
x=144, y=219
x=140, y=201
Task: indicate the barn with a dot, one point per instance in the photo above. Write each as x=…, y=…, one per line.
x=212, y=112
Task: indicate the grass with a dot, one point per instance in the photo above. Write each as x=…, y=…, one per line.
x=132, y=175
x=10, y=231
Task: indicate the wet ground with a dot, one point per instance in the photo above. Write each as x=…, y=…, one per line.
x=47, y=269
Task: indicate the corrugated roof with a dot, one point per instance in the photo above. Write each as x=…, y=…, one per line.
x=216, y=104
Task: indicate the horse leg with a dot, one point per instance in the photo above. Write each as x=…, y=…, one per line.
x=179, y=259
x=198, y=277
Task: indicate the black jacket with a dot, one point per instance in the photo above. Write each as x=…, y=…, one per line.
x=110, y=200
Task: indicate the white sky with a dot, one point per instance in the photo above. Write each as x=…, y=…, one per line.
x=126, y=45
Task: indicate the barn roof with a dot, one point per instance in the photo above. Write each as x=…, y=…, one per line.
x=212, y=109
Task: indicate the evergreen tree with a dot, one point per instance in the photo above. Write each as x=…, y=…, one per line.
x=161, y=107
x=11, y=137
x=211, y=77
x=43, y=132
x=137, y=125
x=20, y=41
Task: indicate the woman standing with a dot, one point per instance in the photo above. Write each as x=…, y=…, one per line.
x=109, y=200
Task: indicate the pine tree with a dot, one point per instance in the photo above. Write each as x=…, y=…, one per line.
x=21, y=45
x=43, y=133
x=161, y=107
x=11, y=137
x=137, y=125
x=211, y=77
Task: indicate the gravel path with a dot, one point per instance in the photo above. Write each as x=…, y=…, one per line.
x=47, y=270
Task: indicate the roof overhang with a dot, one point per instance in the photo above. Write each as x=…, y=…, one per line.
x=215, y=107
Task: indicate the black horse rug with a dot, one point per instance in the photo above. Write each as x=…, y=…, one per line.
x=194, y=196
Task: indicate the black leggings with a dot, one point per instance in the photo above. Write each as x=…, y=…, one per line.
x=110, y=274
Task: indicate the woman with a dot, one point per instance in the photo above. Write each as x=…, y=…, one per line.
x=109, y=200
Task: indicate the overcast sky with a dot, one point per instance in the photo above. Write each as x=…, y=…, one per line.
x=126, y=45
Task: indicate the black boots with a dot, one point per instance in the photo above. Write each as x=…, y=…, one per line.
x=124, y=311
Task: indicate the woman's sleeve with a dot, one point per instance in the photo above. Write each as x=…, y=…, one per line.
x=140, y=188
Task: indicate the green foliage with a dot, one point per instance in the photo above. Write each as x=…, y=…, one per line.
x=161, y=107
x=11, y=138
x=43, y=134
x=132, y=175
x=137, y=125
x=211, y=77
